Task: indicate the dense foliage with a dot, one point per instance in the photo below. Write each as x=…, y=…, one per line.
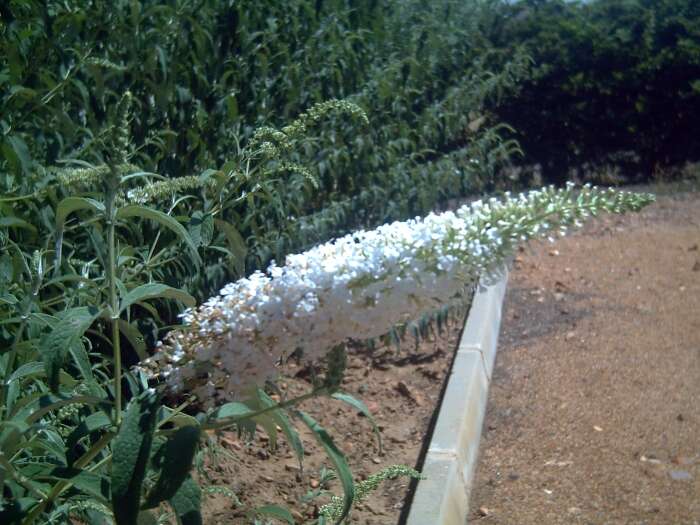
x=151, y=151
x=205, y=75
x=615, y=81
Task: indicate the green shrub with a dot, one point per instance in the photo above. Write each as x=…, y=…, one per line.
x=615, y=82
x=205, y=75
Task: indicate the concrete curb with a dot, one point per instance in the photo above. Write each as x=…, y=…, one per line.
x=443, y=497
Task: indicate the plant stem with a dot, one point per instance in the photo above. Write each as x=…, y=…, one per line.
x=111, y=193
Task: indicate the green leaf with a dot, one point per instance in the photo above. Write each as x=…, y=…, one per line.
x=281, y=419
x=42, y=405
x=236, y=244
x=201, y=228
x=90, y=483
x=267, y=422
x=337, y=458
x=233, y=409
x=237, y=413
x=17, y=152
x=72, y=204
x=37, y=369
x=174, y=458
x=164, y=220
x=11, y=433
x=154, y=291
x=361, y=407
x=55, y=344
x=51, y=441
x=63, y=210
x=16, y=222
x=132, y=333
x=273, y=511
x=130, y=451
x=231, y=106
x=32, y=369
x=187, y=503
x=82, y=362
x=88, y=425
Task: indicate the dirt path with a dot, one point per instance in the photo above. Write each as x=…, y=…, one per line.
x=594, y=411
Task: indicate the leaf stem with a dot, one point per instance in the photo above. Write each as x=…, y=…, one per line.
x=111, y=193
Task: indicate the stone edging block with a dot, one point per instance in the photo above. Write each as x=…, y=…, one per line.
x=443, y=497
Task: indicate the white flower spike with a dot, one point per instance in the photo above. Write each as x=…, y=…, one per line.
x=359, y=286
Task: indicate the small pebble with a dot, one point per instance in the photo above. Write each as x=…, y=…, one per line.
x=680, y=475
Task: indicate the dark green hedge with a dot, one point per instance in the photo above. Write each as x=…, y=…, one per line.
x=616, y=81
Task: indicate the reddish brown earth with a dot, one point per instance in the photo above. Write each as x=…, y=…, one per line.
x=594, y=409
x=400, y=388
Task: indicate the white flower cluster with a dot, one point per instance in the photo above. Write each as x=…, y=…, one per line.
x=359, y=286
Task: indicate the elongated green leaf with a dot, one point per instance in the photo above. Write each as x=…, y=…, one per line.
x=46, y=403
x=360, y=406
x=154, y=291
x=268, y=424
x=63, y=210
x=37, y=369
x=163, y=219
x=55, y=344
x=130, y=452
x=92, y=423
x=90, y=483
x=72, y=204
x=132, y=333
x=11, y=433
x=281, y=419
x=34, y=368
x=201, y=228
x=53, y=443
x=187, y=503
x=17, y=153
x=82, y=362
x=175, y=418
x=273, y=511
x=174, y=458
x=238, y=414
x=16, y=222
x=236, y=244
x=337, y=458
x=233, y=410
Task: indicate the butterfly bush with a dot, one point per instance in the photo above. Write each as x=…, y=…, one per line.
x=359, y=286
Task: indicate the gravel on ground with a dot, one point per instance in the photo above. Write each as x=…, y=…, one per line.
x=594, y=410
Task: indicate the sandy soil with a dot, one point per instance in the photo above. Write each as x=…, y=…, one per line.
x=594, y=410
x=401, y=390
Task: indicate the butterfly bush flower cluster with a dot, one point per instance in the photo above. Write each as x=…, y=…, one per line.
x=359, y=286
